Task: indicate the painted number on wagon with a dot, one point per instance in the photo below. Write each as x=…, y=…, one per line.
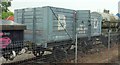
x=61, y=22
x=95, y=22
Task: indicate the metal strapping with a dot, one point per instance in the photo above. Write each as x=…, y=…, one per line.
x=60, y=23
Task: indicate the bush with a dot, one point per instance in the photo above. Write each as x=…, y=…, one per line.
x=6, y=14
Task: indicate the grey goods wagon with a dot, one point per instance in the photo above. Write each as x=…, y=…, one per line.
x=109, y=23
x=51, y=24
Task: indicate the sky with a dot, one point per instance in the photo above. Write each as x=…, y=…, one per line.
x=93, y=5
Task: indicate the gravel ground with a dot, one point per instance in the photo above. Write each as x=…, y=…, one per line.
x=103, y=56
x=20, y=57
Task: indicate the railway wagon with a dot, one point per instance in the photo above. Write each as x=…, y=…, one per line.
x=11, y=38
x=109, y=23
x=46, y=24
x=51, y=26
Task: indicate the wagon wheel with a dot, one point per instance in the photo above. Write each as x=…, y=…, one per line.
x=70, y=49
x=84, y=46
x=59, y=53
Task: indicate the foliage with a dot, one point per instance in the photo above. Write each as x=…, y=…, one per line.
x=5, y=5
x=5, y=11
x=6, y=14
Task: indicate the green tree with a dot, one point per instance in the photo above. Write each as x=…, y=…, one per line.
x=5, y=11
x=5, y=6
x=6, y=14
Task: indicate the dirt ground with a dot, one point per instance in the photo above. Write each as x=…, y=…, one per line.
x=103, y=56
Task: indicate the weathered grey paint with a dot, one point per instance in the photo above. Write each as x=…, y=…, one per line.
x=43, y=23
x=49, y=24
x=96, y=22
x=83, y=23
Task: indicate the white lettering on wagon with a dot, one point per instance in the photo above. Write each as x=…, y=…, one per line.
x=61, y=22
